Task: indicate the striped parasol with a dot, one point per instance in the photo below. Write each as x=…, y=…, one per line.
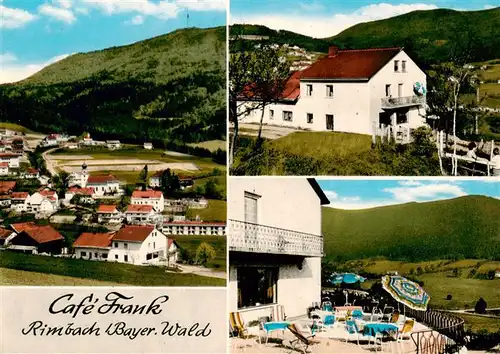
x=406, y=292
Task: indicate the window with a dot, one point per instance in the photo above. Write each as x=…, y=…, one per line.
x=83, y=254
x=396, y=66
x=96, y=255
x=403, y=65
x=116, y=256
x=257, y=286
x=116, y=244
x=104, y=255
x=287, y=116
x=309, y=90
x=401, y=118
x=329, y=122
x=329, y=90
x=125, y=245
x=309, y=118
x=125, y=258
x=251, y=207
x=387, y=90
x=400, y=90
x=271, y=114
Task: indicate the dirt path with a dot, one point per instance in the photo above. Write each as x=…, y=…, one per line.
x=49, y=163
x=206, y=272
x=268, y=132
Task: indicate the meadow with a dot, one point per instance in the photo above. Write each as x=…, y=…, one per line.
x=191, y=243
x=211, y=145
x=216, y=211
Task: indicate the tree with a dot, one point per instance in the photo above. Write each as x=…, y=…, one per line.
x=204, y=253
x=481, y=306
x=211, y=189
x=169, y=182
x=143, y=177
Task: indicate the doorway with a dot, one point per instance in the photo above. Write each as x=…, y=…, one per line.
x=329, y=122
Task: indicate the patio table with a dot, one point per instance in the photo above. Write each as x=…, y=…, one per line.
x=371, y=329
x=270, y=327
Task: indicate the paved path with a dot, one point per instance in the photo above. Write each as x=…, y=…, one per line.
x=268, y=131
x=206, y=272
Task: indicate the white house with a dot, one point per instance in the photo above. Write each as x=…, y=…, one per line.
x=108, y=214
x=11, y=159
x=136, y=244
x=148, y=146
x=150, y=197
x=31, y=173
x=140, y=214
x=200, y=203
x=113, y=144
x=194, y=228
x=275, y=245
x=353, y=91
x=155, y=180
x=19, y=201
x=84, y=192
x=4, y=168
x=5, y=236
x=106, y=184
x=45, y=201
x=94, y=246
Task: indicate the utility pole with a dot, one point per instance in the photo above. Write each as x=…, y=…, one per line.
x=187, y=18
x=477, y=103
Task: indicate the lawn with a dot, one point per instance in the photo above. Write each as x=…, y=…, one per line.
x=191, y=243
x=216, y=211
x=476, y=323
x=15, y=127
x=211, y=145
x=103, y=271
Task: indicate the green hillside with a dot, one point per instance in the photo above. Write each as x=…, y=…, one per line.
x=465, y=227
x=171, y=87
x=428, y=36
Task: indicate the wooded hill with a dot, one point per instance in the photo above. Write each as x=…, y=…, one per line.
x=171, y=87
x=428, y=36
x=465, y=227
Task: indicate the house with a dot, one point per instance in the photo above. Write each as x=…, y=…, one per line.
x=202, y=228
x=176, y=205
x=105, y=184
x=6, y=187
x=4, y=168
x=113, y=144
x=108, y=214
x=200, y=203
x=93, y=246
x=5, y=201
x=5, y=236
x=35, y=239
x=155, y=180
x=150, y=197
x=45, y=201
x=275, y=245
x=11, y=159
x=186, y=182
x=31, y=173
x=19, y=201
x=86, y=194
x=382, y=82
x=148, y=146
x=497, y=273
x=50, y=140
x=140, y=214
x=136, y=244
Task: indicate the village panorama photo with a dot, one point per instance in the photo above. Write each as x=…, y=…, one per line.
x=364, y=88
x=113, y=143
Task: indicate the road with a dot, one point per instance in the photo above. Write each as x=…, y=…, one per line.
x=48, y=162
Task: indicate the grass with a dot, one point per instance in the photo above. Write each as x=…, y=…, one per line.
x=191, y=243
x=211, y=145
x=216, y=211
x=103, y=271
x=476, y=323
x=220, y=180
x=15, y=127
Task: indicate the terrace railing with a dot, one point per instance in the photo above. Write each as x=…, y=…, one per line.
x=406, y=101
x=249, y=237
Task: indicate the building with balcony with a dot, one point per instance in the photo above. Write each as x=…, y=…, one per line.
x=352, y=91
x=200, y=228
x=149, y=197
x=275, y=245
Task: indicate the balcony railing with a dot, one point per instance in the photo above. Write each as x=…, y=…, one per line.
x=407, y=101
x=248, y=237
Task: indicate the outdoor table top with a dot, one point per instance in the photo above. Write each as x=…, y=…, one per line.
x=347, y=308
x=372, y=328
x=275, y=326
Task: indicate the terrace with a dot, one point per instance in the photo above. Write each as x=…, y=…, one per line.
x=249, y=237
x=399, y=102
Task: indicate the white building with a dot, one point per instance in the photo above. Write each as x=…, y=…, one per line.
x=150, y=197
x=31, y=173
x=45, y=201
x=113, y=144
x=353, y=91
x=136, y=244
x=108, y=214
x=140, y=214
x=200, y=203
x=94, y=246
x=19, y=201
x=11, y=159
x=148, y=146
x=106, y=184
x=201, y=228
x=84, y=192
x=155, y=180
x=275, y=245
x=4, y=168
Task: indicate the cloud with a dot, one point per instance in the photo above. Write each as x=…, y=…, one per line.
x=434, y=191
x=488, y=7
x=410, y=183
x=14, y=18
x=162, y=10
x=331, y=195
x=202, y=5
x=136, y=20
x=58, y=13
x=66, y=4
x=321, y=26
x=12, y=71
x=360, y=204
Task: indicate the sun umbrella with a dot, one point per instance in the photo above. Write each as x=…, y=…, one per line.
x=348, y=278
x=406, y=292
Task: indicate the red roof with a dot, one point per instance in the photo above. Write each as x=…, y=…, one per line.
x=136, y=208
x=7, y=186
x=146, y=194
x=107, y=209
x=33, y=171
x=4, y=164
x=291, y=90
x=40, y=234
x=4, y=233
x=83, y=191
x=158, y=174
x=133, y=233
x=189, y=222
x=359, y=64
x=19, y=195
x=8, y=155
x=101, y=179
x=88, y=239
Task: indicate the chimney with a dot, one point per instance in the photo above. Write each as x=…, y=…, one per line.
x=333, y=51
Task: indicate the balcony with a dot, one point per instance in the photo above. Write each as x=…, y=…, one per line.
x=248, y=237
x=399, y=102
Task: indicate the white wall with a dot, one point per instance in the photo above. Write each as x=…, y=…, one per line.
x=158, y=204
x=100, y=252
x=289, y=204
x=136, y=251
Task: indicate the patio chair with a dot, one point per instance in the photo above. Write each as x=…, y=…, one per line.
x=394, y=317
x=387, y=313
x=353, y=330
x=303, y=338
x=278, y=313
x=327, y=306
x=237, y=326
x=405, y=331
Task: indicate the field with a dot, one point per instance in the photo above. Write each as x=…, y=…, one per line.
x=490, y=88
x=190, y=243
x=102, y=271
x=211, y=145
x=216, y=211
x=476, y=323
x=14, y=127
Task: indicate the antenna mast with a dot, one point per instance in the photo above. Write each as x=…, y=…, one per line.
x=187, y=18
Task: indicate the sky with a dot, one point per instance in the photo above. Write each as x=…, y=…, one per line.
x=364, y=194
x=326, y=18
x=35, y=33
